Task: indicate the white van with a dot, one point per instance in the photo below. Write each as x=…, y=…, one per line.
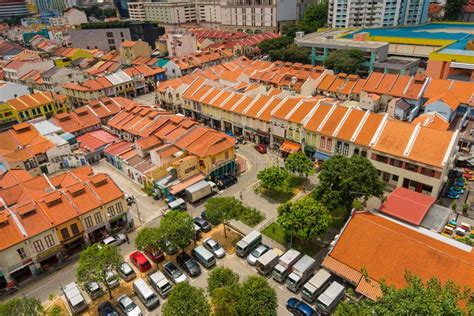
x=248, y=243
x=160, y=283
x=74, y=297
x=329, y=298
x=204, y=256
x=145, y=294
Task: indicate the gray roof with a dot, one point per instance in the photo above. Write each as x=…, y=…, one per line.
x=46, y=127
x=10, y=90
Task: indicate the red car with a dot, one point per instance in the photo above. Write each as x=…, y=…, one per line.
x=261, y=148
x=156, y=256
x=140, y=261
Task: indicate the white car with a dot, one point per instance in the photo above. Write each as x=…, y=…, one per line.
x=257, y=253
x=214, y=247
x=115, y=240
x=128, y=307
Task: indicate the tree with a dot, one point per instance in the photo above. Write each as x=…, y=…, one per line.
x=24, y=306
x=257, y=298
x=177, y=228
x=185, y=299
x=96, y=261
x=275, y=44
x=304, y=219
x=222, y=210
x=224, y=302
x=345, y=60
x=417, y=298
x=315, y=16
x=148, y=239
x=453, y=9
x=221, y=277
x=299, y=163
x=291, y=53
x=343, y=179
x=272, y=177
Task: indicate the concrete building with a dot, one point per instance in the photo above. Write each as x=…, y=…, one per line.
x=251, y=14
x=131, y=50
x=103, y=39
x=170, y=12
x=9, y=90
x=180, y=43
x=9, y=8
x=356, y=13
x=74, y=16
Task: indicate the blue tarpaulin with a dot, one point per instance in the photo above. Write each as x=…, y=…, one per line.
x=321, y=156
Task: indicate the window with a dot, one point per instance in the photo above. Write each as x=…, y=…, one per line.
x=98, y=217
x=345, y=149
x=226, y=154
x=74, y=229
x=49, y=240
x=119, y=207
x=121, y=34
x=89, y=222
x=111, y=41
x=411, y=167
x=111, y=211
x=65, y=233
x=110, y=34
x=21, y=253
x=329, y=144
x=38, y=245
x=395, y=178
x=323, y=142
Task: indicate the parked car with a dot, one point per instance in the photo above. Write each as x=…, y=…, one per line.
x=174, y=273
x=128, y=306
x=224, y=182
x=188, y=264
x=126, y=272
x=140, y=261
x=169, y=248
x=261, y=148
x=203, y=224
x=204, y=215
x=453, y=194
x=115, y=240
x=300, y=308
x=107, y=309
x=156, y=256
x=214, y=247
x=93, y=289
x=257, y=253
x=112, y=279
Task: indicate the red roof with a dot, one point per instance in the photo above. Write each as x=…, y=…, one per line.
x=407, y=205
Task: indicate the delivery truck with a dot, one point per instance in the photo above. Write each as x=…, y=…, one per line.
x=329, y=298
x=200, y=190
x=286, y=262
x=302, y=271
x=267, y=262
x=248, y=243
x=315, y=285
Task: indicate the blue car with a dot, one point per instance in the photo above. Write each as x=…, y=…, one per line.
x=452, y=194
x=299, y=308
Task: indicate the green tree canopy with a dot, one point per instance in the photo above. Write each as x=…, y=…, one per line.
x=272, y=177
x=94, y=263
x=224, y=301
x=417, y=298
x=257, y=298
x=221, y=277
x=275, y=44
x=315, y=16
x=453, y=9
x=291, y=53
x=185, y=300
x=222, y=210
x=24, y=306
x=148, y=239
x=299, y=163
x=343, y=179
x=345, y=60
x=304, y=219
x=177, y=228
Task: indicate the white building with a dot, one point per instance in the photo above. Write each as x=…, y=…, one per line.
x=357, y=13
x=75, y=17
x=170, y=13
x=181, y=43
x=136, y=11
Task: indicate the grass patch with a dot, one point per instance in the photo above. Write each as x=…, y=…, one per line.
x=275, y=232
x=285, y=192
x=251, y=216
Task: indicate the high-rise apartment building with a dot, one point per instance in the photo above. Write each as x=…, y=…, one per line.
x=376, y=13
x=50, y=6
x=10, y=8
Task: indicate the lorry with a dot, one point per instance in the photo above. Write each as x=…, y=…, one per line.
x=267, y=262
x=178, y=204
x=315, y=285
x=286, y=262
x=74, y=297
x=329, y=298
x=248, y=243
x=303, y=269
x=200, y=190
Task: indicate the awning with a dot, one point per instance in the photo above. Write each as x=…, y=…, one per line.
x=321, y=156
x=290, y=147
x=175, y=189
x=340, y=269
x=369, y=288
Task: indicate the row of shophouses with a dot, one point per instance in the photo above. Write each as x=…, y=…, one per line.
x=411, y=155
x=44, y=219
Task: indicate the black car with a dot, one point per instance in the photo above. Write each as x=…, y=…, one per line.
x=188, y=264
x=226, y=181
x=107, y=309
x=203, y=224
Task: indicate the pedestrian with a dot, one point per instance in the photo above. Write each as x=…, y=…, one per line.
x=126, y=238
x=240, y=194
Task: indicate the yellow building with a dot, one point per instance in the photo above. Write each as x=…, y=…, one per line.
x=130, y=50
x=67, y=55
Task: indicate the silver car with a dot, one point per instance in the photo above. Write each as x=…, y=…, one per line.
x=174, y=273
x=128, y=307
x=115, y=240
x=214, y=247
x=112, y=279
x=257, y=253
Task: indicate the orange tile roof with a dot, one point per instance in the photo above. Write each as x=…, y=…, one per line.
x=128, y=43
x=399, y=248
x=285, y=108
x=368, y=129
x=432, y=120
x=350, y=125
x=430, y=146
x=11, y=234
x=264, y=115
x=333, y=121
x=260, y=102
x=349, y=274
x=326, y=82
x=305, y=107
x=448, y=98
x=394, y=138
x=317, y=117
x=77, y=121
x=34, y=100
